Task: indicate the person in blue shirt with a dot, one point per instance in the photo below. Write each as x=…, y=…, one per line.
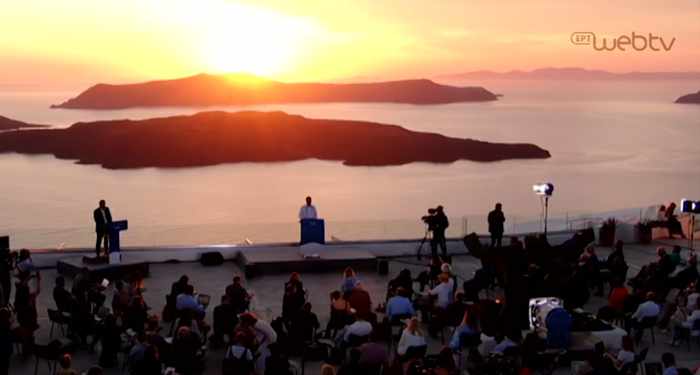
x=187, y=301
x=465, y=330
x=400, y=305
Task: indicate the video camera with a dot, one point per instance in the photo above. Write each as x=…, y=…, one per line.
x=429, y=219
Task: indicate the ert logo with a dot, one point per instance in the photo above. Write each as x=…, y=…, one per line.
x=635, y=41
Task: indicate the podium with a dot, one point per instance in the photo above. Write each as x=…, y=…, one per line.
x=312, y=230
x=114, y=248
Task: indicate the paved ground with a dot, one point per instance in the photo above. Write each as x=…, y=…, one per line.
x=268, y=301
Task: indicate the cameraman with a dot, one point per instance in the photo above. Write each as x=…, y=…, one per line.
x=437, y=223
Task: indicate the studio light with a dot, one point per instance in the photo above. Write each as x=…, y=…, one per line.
x=690, y=207
x=545, y=189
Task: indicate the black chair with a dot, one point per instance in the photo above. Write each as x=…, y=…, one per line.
x=50, y=353
x=648, y=323
x=639, y=359
x=57, y=318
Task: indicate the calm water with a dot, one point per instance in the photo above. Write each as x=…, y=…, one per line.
x=615, y=145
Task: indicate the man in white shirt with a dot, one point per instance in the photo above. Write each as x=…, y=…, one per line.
x=443, y=291
x=648, y=309
x=307, y=211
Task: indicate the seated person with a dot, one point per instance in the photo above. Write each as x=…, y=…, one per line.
x=186, y=351
x=624, y=356
x=238, y=296
x=465, y=334
x=618, y=295
x=66, y=366
x=646, y=310
x=238, y=358
x=373, y=354
x=303, y=325
x=359, y=329
x=687, y=324
x=225, y=320
x=340, y=313
x=62, y=297
x=187, y=301
x=360, y=300
x=558, y=322
x=293, y=298
x=412, y=340
x=136, y=314
x=504, y=342
x=675, y=257
x=403, y=280
x=443, y=291
x=399, y=306
x=350, y=281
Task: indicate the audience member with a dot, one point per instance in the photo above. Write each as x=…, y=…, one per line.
x=399, y=306
x=411, y=337
x=238, y=296
x=349, y=281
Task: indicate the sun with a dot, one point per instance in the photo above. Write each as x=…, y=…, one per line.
x=237, y=38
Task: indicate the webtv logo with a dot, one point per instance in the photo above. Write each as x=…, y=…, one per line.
x=635, y=41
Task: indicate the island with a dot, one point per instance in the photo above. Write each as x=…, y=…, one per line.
x=211, y=138
x=10, y=124
x=689, y=99
x=243, y=89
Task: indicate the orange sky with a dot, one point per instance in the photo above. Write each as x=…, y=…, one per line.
x=78, y=42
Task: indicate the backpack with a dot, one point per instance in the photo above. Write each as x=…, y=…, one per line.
x=233, y=365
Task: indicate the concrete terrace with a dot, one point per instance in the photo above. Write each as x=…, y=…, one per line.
x=268, y=289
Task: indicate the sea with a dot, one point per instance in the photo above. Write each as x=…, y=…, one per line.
x=617, y=148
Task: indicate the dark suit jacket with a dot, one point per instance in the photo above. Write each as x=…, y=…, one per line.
x=100, y=224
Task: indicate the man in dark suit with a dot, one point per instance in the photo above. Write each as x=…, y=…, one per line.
x=103, y=220
x=496, y=220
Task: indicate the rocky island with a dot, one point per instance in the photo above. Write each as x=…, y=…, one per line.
x=689, y=99
x=211, y=138
x=241, y=89
x=10, y=124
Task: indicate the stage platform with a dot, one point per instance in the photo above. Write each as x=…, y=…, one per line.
x=130, y=267
x=319, y=260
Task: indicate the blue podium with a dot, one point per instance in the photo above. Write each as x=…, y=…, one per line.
x=114, y=229
x=312, y=230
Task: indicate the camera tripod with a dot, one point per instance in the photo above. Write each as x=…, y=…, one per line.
x=426, y=238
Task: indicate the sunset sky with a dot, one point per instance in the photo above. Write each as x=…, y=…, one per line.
x=65, y=42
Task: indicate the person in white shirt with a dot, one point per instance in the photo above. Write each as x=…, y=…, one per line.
x=308, y=211
x=443, y=291
x=411, y=337
x=688, y=323
x=648, y=309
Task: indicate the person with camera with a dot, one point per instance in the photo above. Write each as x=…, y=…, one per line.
x=437, y=224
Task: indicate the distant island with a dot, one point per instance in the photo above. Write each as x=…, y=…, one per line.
x=211, y=138
x=568, y=74
x=689, y=99
x=10, y=124
x=243, y=89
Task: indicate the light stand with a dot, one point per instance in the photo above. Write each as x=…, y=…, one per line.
x=546, y=190
x=691, y=238
x=546, y=213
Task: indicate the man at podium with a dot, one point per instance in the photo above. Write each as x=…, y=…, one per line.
x=312, y=228
x=308, y=211
x=103, y=222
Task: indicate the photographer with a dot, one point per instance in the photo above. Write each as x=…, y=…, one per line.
x=437, y=224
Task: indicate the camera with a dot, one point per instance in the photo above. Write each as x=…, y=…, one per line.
x=690, y=207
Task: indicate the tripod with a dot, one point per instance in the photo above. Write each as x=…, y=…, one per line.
x=691, y=237
x=426, y=238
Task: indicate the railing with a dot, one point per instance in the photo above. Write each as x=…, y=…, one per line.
x=150, y=234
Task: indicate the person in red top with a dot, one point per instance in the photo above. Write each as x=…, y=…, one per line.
x=617, y=297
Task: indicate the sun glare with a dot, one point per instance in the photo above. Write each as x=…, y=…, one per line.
x=231, y=37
